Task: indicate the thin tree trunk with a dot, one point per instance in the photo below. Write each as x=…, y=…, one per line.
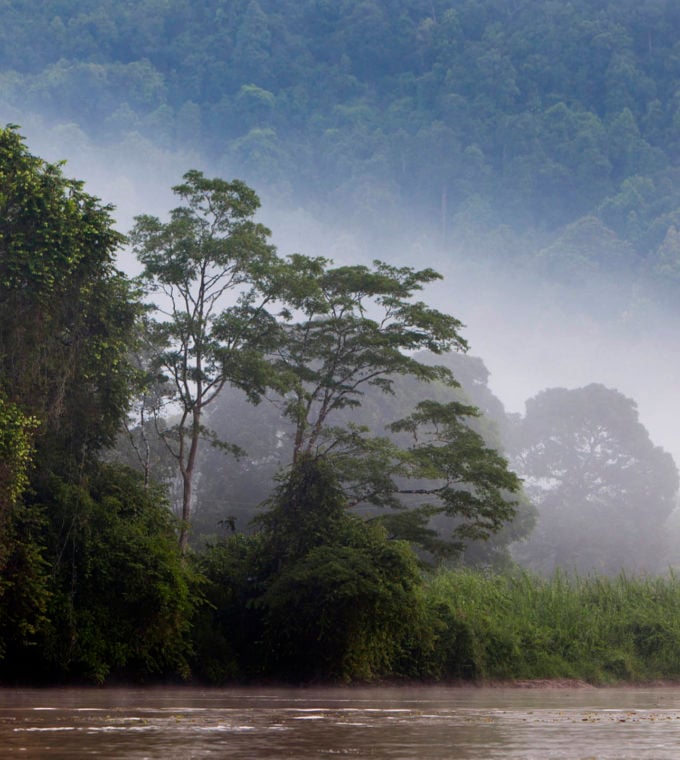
x=186, y=511
x=187, y=482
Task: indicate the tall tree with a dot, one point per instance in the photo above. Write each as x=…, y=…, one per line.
x=66, y=313
x=602, y=488
x=358, y=330
x=213, y=268
x=67, y=323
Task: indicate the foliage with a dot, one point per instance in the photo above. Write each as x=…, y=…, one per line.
x=357, y=329
x=16, y=452
x=602, y=489
x=342, y=611
x=24, y=585
x=209, y=252
x=473, y=482
x=67, y=322
x=593, y=628
x=120, y=598
x=318, y=594
x=542, y=113
x=227, y=629
x=66, y=314
x=368, y=464
x=460, y=624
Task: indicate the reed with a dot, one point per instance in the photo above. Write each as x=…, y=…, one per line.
x=519, y=626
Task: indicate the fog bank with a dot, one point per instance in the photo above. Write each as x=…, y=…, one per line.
x=530, y=335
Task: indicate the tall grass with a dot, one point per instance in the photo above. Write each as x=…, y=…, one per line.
x=518, y=626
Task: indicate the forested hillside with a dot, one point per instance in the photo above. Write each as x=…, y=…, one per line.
x=464, y=115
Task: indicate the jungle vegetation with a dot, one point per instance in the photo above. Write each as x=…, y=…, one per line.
x=242, y=465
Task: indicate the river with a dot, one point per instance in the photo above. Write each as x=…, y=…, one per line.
x=382, y=723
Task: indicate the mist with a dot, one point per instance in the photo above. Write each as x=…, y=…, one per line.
x=531, y=334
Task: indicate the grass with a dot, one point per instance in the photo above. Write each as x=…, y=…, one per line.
x=517, y=626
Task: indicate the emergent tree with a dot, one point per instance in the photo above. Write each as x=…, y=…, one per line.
x=602, y=488
x=357, y=328
x=212, y=265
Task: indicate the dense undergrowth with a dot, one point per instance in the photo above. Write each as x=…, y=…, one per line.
x=358, y=610
x=599, y=629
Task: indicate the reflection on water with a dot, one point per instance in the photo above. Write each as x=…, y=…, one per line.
x=424, y=723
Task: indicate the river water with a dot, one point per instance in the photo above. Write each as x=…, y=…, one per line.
x=383, y=723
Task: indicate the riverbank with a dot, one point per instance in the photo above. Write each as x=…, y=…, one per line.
x=521, y=629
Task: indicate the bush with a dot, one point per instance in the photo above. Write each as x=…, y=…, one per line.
x=120, y=598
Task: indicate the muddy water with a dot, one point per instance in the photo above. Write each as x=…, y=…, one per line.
x=425, y=723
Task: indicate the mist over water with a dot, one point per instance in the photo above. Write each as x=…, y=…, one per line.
x=529, y=334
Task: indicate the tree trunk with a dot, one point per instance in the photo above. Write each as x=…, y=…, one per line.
x=187, y=482
x=187, y=478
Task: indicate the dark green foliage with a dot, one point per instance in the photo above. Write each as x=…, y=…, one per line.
x=66, y=314
x=343, y=611
x=24, y=582
x=117, y=599
x=227, y=632
x=92, y=584
x=542, y=112
x=318, y=594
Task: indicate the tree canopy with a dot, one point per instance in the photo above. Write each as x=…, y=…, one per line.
x=603, y=490
x=66, y=313
x=90, y=579
x=540, y=113
x=213, y=268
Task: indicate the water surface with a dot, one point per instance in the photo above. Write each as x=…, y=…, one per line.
x=382, y=723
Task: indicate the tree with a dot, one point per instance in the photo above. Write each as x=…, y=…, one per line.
x=213, y=267
x=66, y=321
x=67, y=315
x=359, y=330
x=603, y=490
x=341, y=597
x=67, y=325
x=267, y=441
x=472, y=482
x=117, y=597
x=318, y=593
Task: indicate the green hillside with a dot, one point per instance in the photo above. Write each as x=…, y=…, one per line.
x=531, y=114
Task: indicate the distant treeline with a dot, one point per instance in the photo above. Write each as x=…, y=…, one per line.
x=476, y=114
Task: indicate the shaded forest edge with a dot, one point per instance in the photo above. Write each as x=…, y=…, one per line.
x=95, y=585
